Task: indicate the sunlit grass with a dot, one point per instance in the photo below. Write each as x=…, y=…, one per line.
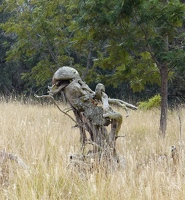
x=43, y=137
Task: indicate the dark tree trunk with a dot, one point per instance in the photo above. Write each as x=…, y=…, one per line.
x=164, y=100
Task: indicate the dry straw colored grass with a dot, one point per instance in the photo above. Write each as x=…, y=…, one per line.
x=42, y=136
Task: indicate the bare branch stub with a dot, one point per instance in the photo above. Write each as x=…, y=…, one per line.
x=92, y=111
x=4, y=166
x=4, y=156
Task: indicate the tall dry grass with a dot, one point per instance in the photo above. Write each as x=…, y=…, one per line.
x=42, y=136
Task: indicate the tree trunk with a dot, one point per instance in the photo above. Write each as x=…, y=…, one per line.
x=164, y=100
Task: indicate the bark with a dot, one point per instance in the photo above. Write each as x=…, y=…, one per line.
x=164, y=100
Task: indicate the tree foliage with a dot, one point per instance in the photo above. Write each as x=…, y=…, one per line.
x=116, y=42
x=42, y=36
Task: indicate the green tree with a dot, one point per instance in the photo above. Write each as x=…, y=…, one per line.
x=10, y=81
x=144, y=42
x=42, y=36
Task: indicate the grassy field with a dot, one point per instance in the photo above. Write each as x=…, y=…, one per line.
x=42, y=136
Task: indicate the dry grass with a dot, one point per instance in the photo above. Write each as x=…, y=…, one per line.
x=42, y=136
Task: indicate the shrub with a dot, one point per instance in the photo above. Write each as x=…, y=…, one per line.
x=153, y=102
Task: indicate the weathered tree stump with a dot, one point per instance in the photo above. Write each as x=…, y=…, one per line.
x=93, y=115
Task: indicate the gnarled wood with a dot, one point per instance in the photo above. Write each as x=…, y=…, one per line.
x=92, y=111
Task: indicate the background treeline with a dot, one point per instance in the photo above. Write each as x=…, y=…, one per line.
x=131, y=46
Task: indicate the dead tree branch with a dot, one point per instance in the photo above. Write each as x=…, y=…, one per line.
x=50, y=96
x=5, y=156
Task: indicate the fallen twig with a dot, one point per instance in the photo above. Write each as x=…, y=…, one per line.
x=4, y=156
x=120, y=136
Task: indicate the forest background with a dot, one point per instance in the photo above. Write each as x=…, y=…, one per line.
x=134, y=47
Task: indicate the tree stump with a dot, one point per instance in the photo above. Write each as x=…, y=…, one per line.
x=93, y=115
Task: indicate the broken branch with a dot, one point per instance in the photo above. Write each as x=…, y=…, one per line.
x=4, y=156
